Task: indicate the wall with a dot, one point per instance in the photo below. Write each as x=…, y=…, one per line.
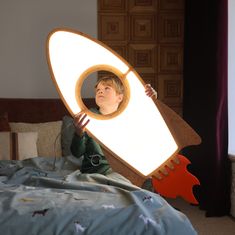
x=231, y=96
x=231, y=76
x=24, y=28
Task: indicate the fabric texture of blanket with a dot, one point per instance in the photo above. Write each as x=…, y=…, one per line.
x=38, y=198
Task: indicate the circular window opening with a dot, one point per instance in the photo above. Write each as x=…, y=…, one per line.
x=89, y=86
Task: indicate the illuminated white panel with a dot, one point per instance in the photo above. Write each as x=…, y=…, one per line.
x=138, y=135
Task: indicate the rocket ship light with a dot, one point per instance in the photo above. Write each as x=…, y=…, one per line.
x=143, y=132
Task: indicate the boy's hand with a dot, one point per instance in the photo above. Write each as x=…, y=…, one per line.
x=150, y=91
x=80, y=122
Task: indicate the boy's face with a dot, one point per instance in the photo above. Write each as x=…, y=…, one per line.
x=106, y=95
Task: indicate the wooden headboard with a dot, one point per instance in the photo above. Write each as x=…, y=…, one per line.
x=36, y=110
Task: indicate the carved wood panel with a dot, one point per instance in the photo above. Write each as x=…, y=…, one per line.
x=170, y=91
x=170, y=59
x=112, y=5
x=171, y=28
x=171, y=4
x=142, y=5
x=113, y=27
x=120, y=48
x=143, y=57
x=142, y=28
x=149, y=34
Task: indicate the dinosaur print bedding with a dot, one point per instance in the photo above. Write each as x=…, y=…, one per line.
x=40, y=196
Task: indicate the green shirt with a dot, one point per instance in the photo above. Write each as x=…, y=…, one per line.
x=94, y=160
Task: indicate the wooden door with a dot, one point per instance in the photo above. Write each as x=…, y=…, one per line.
x=149, y=34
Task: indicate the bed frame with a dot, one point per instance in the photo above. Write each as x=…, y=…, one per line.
x=47, y=110
x=35, y=110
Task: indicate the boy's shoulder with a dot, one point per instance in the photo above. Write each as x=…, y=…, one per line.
x=95, y=110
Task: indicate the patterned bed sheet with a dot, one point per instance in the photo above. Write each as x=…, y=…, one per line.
x=40, y=197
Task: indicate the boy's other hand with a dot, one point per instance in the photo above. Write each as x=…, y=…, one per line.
x=150, y=91
x=80, y=121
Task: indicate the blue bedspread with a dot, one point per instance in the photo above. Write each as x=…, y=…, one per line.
x=37, y=199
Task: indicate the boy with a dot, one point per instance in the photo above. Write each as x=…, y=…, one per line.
x=109, y=94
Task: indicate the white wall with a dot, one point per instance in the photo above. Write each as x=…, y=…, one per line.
x=24, y=26
x=231, y=77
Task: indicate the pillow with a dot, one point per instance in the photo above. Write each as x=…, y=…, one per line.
x=4, y=124
x=49, y=139
x=18, y=146
x=67, y=133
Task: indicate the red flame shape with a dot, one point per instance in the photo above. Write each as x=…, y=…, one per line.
x=178, y=181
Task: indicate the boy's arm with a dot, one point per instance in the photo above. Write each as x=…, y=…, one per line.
x=84, y=145
x=94, y=160
x=79, y=141
x=150, y=91
x=78, y=145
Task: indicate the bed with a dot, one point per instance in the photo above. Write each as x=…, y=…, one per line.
x=43, y=192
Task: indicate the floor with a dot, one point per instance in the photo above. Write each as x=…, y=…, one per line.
x=205, y=225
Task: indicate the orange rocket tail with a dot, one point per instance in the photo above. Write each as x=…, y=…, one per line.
x=176, y=180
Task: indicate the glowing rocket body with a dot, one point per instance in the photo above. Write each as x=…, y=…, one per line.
x=145, y=134
x=135, y=135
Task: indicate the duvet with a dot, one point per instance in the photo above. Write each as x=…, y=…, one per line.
x=40, y=197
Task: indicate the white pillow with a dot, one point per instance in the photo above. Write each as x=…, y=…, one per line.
x=18, y=146
x=48, y=133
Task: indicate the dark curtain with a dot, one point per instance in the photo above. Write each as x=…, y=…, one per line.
x=205, y=101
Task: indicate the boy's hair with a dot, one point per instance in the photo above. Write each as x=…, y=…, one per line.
x=112, y=81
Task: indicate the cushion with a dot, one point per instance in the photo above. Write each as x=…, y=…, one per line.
x=67, y=133
x=18, y=146
x=4, y=124
x=49, y=139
